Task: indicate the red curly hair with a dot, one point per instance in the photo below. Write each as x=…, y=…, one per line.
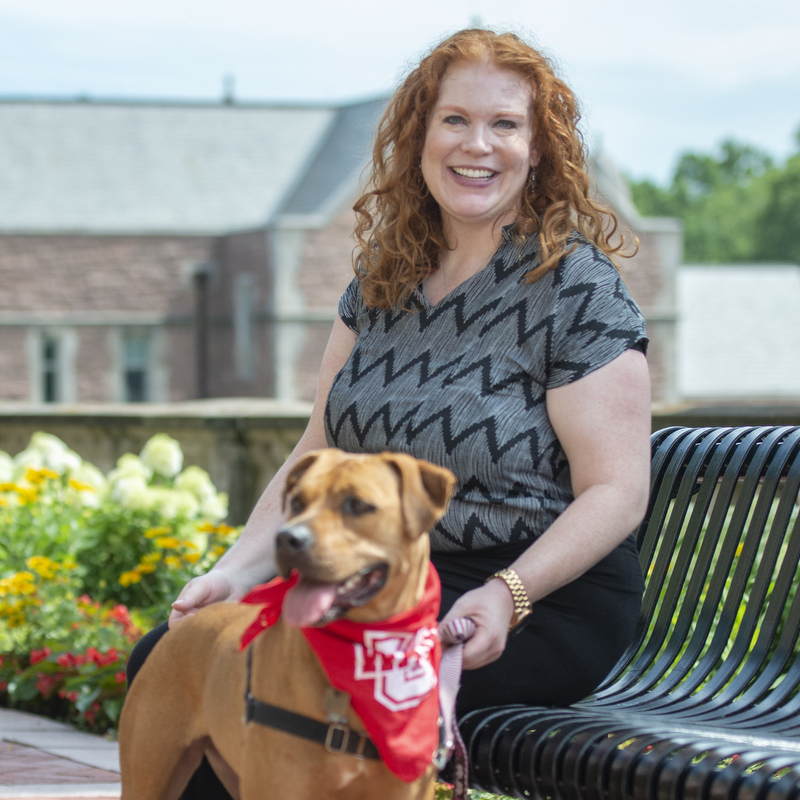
x=399, y=225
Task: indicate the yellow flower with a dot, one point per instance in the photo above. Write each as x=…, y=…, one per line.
x=27, y=494
x=159, y=531
x=168, y=542
x=151, y=558
x=127, y=578
x=173, y=562
x=190, y=545
x=44, y=566
x=78, y=486
x=192, y=558
x=206, y=527
x=19, y=583
x=69, y=563
x=146, y=569
x=39, y=474
x=225, y=530
x=218, y=550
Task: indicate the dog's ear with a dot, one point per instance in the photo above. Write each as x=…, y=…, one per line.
x=425, y=491
x=297, y=472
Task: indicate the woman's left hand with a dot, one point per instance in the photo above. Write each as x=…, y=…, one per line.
x=490, y=607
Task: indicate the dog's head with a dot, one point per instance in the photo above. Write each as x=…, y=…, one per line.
x=356, y=534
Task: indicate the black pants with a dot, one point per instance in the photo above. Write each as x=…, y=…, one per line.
x=567, y=645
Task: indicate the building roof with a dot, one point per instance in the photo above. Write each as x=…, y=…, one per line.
x=107, y=167
x=738, y=330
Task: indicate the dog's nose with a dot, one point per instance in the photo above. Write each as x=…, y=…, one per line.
x=294, y=538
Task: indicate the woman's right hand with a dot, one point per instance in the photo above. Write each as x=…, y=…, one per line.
x=213, y=587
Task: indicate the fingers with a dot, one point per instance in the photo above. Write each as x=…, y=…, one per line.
x=487, y=606
x=199, y=592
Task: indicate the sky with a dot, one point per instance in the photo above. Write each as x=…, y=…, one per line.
x=653, y=79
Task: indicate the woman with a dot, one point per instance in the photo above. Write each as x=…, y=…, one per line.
x=488, y=331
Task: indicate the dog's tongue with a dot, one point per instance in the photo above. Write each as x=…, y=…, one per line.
x=305, y=603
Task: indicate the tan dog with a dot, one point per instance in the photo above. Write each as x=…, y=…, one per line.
x=356, y=535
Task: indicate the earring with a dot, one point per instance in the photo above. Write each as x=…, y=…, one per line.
x=532, y=177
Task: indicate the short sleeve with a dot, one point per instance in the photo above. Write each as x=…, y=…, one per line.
x=595, y=317
x=352, y=308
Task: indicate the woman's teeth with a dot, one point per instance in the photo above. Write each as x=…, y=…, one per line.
x=473, y=173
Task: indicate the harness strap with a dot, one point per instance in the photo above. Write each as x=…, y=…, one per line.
x=336, y=737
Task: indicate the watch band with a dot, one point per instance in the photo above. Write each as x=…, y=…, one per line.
x=522, y=605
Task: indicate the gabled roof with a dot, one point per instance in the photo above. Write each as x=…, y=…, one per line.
x=161, y=168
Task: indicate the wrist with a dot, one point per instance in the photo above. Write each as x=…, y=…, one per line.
x=521, y=603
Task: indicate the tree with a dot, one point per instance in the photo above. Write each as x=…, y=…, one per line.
x=778, y=229
x=735, y=205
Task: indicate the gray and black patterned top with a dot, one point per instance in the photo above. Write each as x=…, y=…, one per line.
x=462, y=383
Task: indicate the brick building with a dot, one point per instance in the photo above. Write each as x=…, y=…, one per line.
x=164, y=251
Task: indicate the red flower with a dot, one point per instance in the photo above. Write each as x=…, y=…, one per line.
x=120, y=676
x=45, y=683
x=39, y=655
x=3, y=686
x=67, y=660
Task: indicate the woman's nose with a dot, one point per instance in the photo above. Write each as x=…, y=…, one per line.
x=476, y=141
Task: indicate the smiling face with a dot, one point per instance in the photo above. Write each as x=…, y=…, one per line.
x=478, y=149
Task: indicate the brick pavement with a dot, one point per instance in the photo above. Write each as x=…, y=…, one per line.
x=47, y=760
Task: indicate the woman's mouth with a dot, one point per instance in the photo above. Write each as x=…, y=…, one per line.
x=473, y=173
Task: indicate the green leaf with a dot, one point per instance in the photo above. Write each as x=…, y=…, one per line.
x=86, y=698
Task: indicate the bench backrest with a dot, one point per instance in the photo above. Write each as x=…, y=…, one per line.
x=720, y=548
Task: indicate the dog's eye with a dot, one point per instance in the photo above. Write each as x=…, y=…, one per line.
x=356, y=507
x=296, y=504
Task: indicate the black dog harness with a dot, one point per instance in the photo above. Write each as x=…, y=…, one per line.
x=336, y=735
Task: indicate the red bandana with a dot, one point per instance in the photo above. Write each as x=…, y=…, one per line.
x=389, y=668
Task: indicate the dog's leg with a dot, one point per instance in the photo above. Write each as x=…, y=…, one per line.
x=153, y=769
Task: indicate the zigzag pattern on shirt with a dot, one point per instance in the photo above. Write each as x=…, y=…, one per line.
x=356, y=373
x=488, y=426
x=474, y=529
x=428, y=316
x=484, y=366
x=520, y=310
x=382, y=414
x=471, y=486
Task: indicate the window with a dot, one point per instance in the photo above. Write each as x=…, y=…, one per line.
x=135, y=367
x=51, y=389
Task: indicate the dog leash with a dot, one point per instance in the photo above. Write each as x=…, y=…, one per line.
x=454, y=634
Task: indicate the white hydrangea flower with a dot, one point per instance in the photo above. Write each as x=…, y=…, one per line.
x=197, y=481
x=215, y=508
x=171, y=503
x=130, y=491
x=46, y=450
x=129, y=464
x=7, y=467
x=163, y=455
x=91, y=476
x=89, y=483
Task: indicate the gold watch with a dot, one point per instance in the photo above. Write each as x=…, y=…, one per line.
x=522, y=605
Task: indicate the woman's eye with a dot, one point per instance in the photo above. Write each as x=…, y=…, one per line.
x=507, y=124
x=355, y=507
x=454, y=119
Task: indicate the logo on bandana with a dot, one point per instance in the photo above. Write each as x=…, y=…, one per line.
x=400, y=664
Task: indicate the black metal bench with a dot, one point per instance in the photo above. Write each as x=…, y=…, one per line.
x=706, y=703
